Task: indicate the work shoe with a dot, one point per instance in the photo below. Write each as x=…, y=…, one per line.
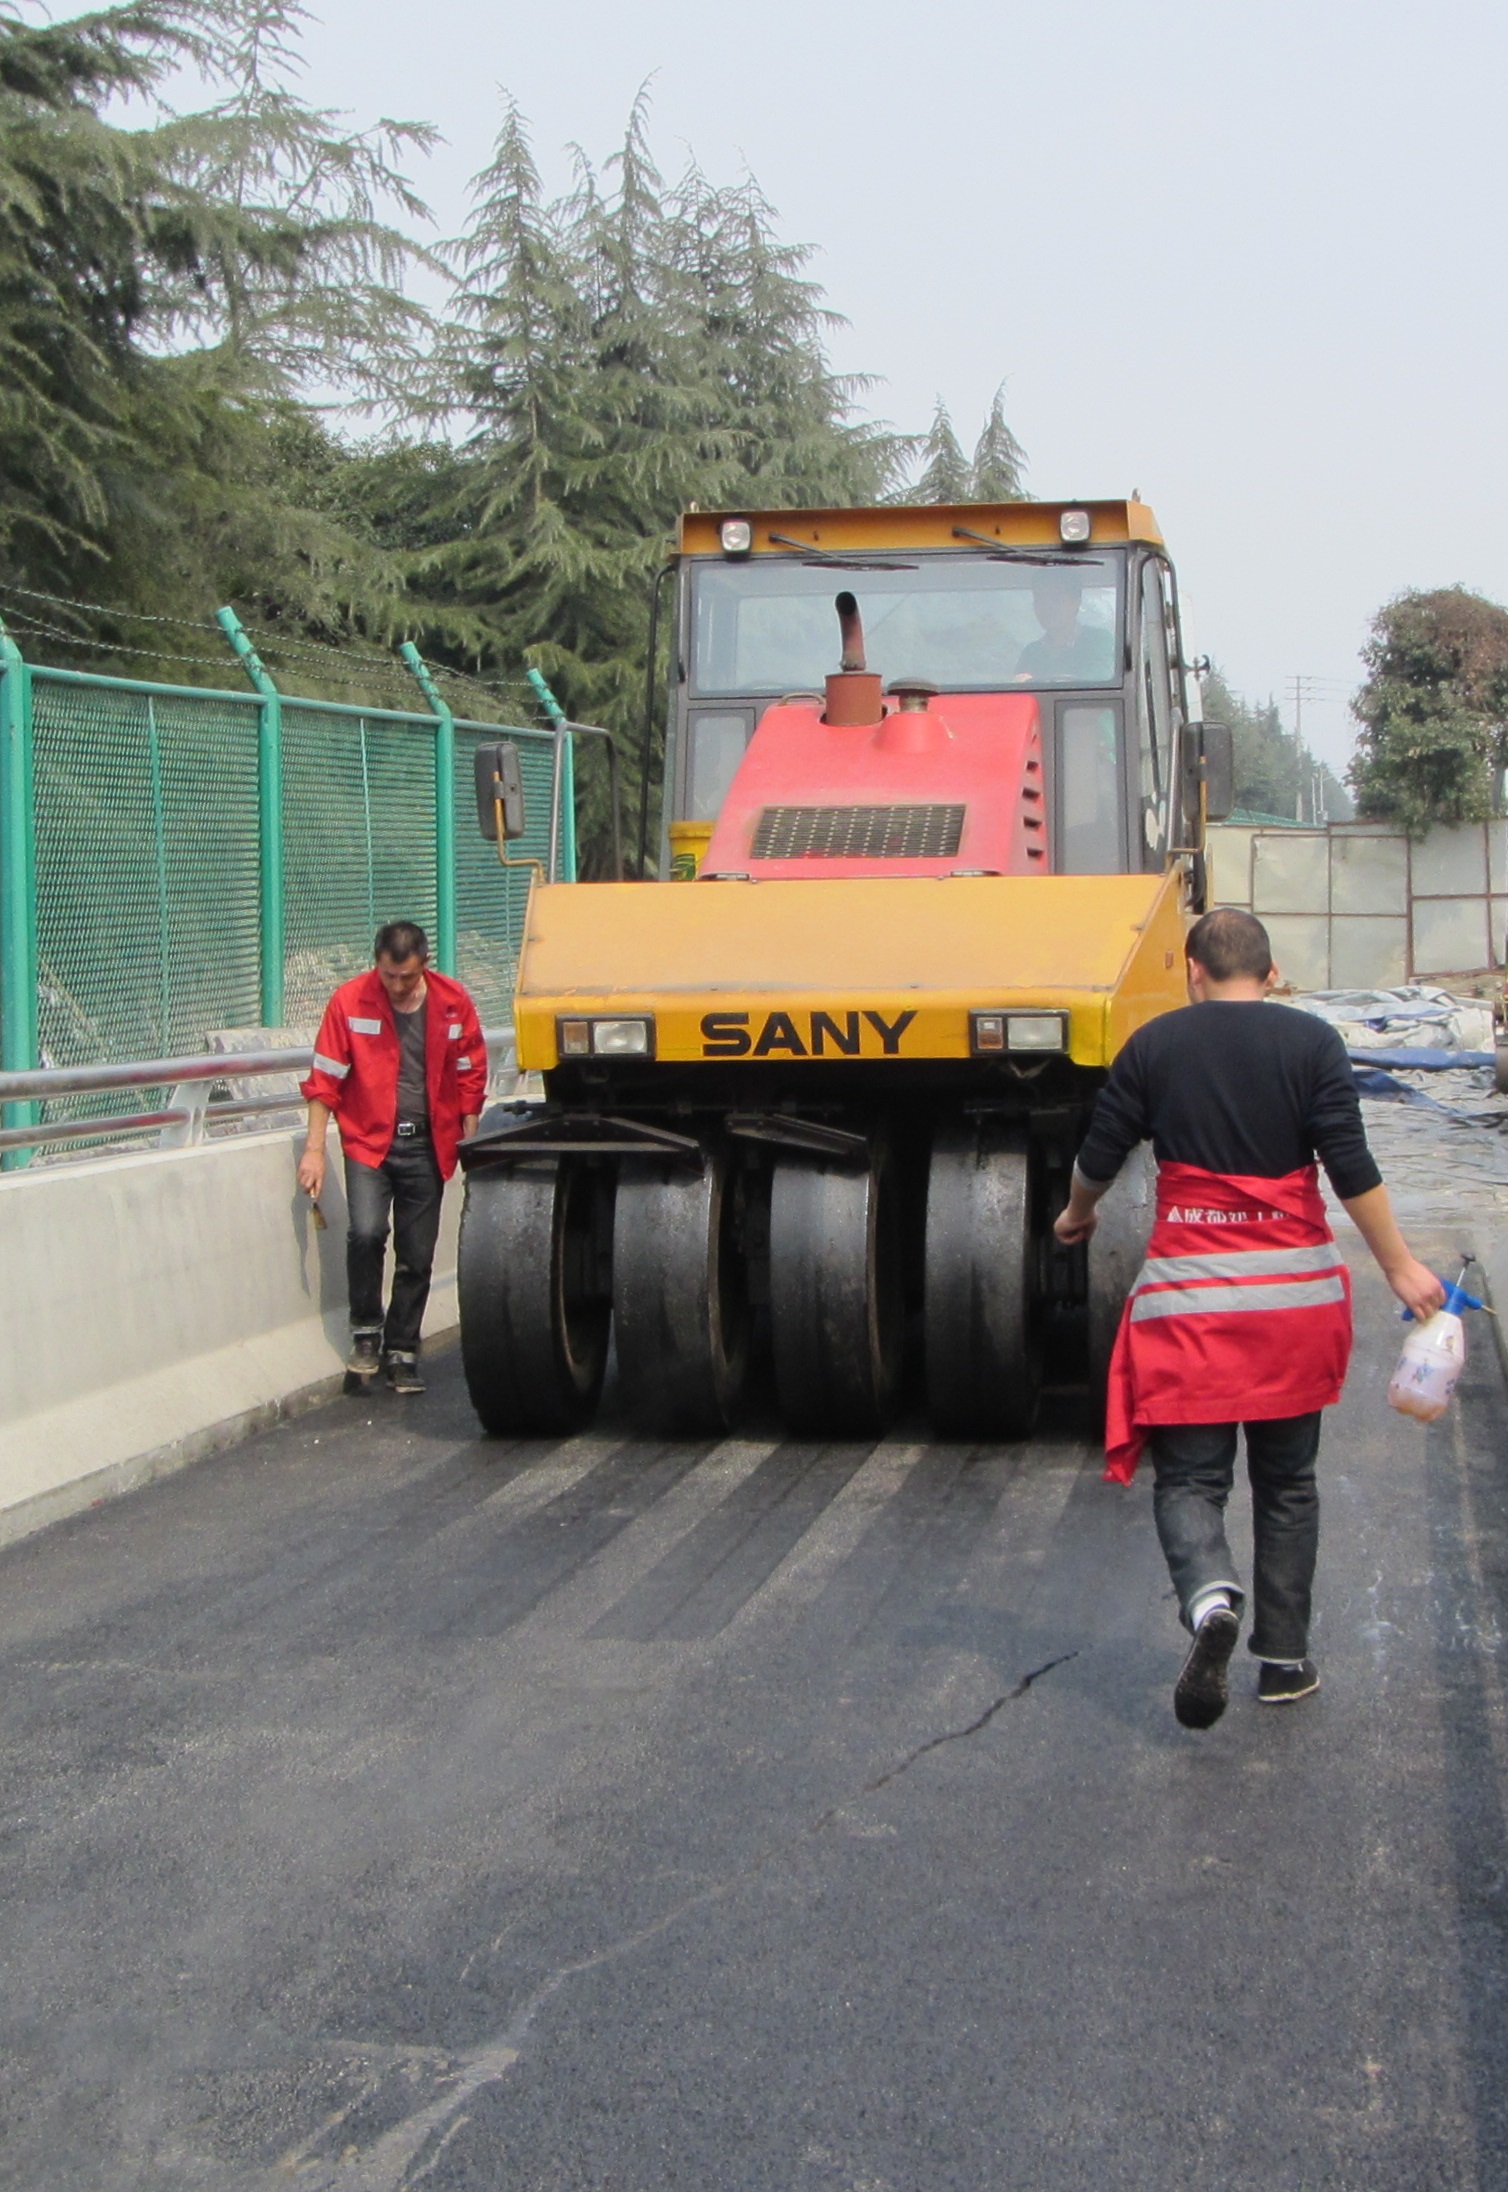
x=403, y=1374
x=365, y=1358
x=1286, y=1682
x=1202, y=1690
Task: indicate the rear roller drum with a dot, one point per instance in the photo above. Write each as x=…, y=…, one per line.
x=534, y=1298
x=837, y=1319
x=680, y=1297
x=1116, y=1252
x=984, y=1302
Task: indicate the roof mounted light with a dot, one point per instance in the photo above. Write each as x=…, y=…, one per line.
x=1074, y=528
x=737, y=536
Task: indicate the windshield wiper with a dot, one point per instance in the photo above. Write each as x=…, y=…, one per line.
x=823, y=558
x=1002, y=554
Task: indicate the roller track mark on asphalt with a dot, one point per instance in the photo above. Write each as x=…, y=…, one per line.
x=387, y=2166
x=695, y=1591
x=613, y=1574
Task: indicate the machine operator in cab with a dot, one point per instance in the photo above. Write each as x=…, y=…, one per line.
x=1241, y=1314
x=1069, y=652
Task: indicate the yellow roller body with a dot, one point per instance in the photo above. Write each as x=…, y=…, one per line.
x=872, y=968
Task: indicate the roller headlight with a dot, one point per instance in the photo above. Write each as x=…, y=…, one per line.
x=627, y=1038
x=1074, y=528
x=1033, y=1034
x=737, y=536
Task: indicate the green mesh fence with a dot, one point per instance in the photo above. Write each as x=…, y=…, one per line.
x=146, y=821
x=147, y=897
x=358, y=842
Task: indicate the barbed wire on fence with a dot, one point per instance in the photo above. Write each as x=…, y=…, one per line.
x=368, y=669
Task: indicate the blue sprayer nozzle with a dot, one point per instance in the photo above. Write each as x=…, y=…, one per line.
x=1456, y=1299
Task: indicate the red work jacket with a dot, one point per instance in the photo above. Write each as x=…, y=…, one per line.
x=1241, y=1312
x=356, y=1066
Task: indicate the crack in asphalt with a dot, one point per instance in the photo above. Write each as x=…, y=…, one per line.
x=960, y=1735
x=386, y=2166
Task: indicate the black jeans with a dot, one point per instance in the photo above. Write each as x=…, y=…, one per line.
x=1195, y=1466
x=408, y=1183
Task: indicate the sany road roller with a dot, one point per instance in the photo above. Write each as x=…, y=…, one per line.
x=813, y=1101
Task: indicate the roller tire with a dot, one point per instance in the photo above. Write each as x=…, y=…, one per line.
x=1116, y=1253
x=680, y=1297
x=984, y=1312
x=837, y=1314
x=534, y=1316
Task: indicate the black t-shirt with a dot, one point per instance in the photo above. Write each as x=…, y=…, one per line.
x=1244, y=1087
x=413, y=1091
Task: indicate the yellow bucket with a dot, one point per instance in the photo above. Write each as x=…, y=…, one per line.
x=688, y=846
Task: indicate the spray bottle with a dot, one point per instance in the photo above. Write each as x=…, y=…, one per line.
x=1434, y=1355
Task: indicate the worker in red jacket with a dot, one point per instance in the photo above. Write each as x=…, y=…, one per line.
x=1241, y=1315
x=400, y=1065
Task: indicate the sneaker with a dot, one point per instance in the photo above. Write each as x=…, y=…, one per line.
x=365, y=1358
x=1202, y=1691
x=1284, y=1683
x=403, y=1374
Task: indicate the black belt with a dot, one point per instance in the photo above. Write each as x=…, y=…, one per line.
x=408, y=1128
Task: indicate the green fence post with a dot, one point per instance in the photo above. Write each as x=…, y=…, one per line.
x=445, y=809
x=563, y=789
x=270, y=805
x=18, y=886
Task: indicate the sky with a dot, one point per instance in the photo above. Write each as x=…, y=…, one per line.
x=1245, y=258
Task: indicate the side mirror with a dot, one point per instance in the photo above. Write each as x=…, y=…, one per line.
x=1209, y=758
x=499, y=786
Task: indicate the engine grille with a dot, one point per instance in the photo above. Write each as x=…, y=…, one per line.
x=858, y=833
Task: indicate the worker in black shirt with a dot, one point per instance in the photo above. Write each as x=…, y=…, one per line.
x=1241, y=1314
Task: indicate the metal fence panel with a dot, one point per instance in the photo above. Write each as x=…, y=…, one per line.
x=144, y=810
x=146, y=824
x=358, y=842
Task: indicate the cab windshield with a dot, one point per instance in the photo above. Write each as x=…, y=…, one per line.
x=965, y=622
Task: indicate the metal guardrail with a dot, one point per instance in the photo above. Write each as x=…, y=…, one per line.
x=186, y=1118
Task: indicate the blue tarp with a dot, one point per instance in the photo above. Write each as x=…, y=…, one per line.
x=1421, y=1060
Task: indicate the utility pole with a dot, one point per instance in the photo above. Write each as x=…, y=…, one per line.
x=1303, y=689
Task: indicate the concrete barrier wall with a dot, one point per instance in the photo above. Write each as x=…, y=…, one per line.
x=155, y=1306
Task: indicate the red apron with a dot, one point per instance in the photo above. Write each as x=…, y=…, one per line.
x=1241, y=1312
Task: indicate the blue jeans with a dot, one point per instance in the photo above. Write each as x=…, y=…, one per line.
x=408, y=1184
x=1194, y=1466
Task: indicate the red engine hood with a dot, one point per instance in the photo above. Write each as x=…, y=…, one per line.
x=981, y=752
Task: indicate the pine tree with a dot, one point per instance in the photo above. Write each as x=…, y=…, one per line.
x=624, y=353
x=166, y=294
x=999, y=459
x=945, y=475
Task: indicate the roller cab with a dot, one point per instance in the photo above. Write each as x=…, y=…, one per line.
x=939, y=815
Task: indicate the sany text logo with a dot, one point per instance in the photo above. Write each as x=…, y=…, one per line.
x=818, y=1035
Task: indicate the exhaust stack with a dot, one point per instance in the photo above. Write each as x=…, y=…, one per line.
x=853, y=692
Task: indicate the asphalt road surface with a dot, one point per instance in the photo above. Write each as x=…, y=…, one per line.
x=387, y=1808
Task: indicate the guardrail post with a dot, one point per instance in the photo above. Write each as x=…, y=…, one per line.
x=445, y=809
x=270, y=808
x=18, y=886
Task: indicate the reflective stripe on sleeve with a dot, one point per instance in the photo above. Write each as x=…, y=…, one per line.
x=1196, y=1301
x=363, y=1027
x=1252, y=1263
x=454, y=1031
x=332, y=1066
x=463, y=1065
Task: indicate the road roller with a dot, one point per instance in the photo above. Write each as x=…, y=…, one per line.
x=934, y=826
